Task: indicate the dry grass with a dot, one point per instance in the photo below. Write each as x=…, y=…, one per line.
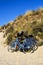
x=31, y=21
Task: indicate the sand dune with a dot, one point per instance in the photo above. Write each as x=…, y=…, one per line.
x=19, y=58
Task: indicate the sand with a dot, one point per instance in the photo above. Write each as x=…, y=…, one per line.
x=19, y=58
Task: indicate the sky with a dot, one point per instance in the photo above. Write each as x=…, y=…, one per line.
x=10, y=9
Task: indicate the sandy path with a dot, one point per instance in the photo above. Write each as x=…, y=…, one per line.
x=19, y=58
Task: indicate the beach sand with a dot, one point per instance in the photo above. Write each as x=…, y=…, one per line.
x=19, y=58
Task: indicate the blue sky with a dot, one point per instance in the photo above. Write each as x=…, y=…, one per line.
x=10, y=9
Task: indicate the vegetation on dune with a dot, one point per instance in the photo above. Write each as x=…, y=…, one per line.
x=31, y=21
